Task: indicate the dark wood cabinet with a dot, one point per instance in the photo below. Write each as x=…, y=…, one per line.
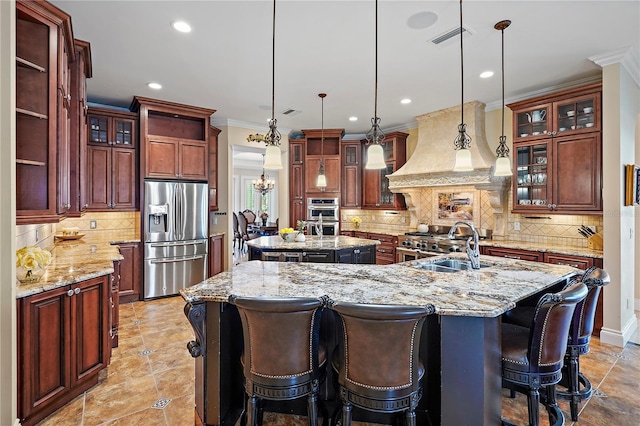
x=558, y=153
x=44, y=48
x=129, y=277
x=375, y=184
x=111, y=160
x=114, y=304
x=534, y=256
x=63, y=345
x=322, y=146
x=297, y=210
x=81, y=70
x=213, y=168
x=350, y=196
x=216, y=254
x=174, y=139
x=386, y=250
x=579, y=262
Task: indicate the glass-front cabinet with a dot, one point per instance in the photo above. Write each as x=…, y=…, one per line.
x=531, y=185
x=534, y=121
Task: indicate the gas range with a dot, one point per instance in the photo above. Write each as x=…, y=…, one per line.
x=434, y=243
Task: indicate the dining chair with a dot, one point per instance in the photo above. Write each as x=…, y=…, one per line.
x=246, y=234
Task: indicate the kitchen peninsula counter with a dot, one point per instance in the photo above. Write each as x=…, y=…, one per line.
x=74, y=261
x=462, y=341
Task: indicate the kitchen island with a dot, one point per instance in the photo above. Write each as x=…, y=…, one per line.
x=325, y=249
x=462, y=341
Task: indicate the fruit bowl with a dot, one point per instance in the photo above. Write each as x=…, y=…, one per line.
x=289, y=235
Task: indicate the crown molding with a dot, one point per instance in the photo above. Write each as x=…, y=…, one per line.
x=626, y=56
x=229, y=122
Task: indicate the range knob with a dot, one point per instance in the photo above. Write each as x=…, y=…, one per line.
x=455, y=249
x=434, y=246
x=422, y=246
x=406, y=243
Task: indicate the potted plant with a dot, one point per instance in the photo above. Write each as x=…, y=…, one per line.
x=300, y=226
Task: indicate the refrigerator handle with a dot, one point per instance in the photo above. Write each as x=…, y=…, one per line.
x=180, y=218
x=176, y=211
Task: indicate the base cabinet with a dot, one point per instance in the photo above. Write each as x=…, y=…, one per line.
x=130, y=281
x=216, y=254
x=357, y=255
x=63, y=345
x=354, y=255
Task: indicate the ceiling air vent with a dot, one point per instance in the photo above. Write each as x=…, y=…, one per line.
x=449, y=35
x=291, y=112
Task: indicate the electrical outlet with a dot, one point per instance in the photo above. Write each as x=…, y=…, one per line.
x=373, y=218
x=516, y=226
x=93, y=224
x=403, y=220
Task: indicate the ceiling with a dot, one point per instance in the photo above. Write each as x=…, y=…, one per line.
x=224, y=63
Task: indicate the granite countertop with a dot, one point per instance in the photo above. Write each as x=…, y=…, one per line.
x=312, y=242
x=545, y=248
x=487, y=292
x=78, y=260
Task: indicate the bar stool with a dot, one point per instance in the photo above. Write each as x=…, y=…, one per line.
x=282, y=358
x=377, y=362
x=578, y=385
x=532, y=356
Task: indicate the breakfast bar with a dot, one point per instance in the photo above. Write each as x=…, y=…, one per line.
x=463, y=342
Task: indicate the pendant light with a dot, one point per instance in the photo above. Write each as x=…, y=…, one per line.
x=264, y=184
x=273, y=157
x=375, y=153
x=503, y=164
x=462, y=141
x=321, y=182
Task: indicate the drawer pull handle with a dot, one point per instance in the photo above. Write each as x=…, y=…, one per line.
x=512, y=257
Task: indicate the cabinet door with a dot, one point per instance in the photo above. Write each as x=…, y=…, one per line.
x=366, y=255
x=90, y=327
x=130, y=286
x=351, y=172
x=532, y=184
x=332, y=172
x=579, y=114
x=99, y=176
x=532, y=122
x=297, y=182
x=371, y=188
x=213, y=168
x=123, y=132
x=344, y=256
x=162, y=159
x=216, y=255
x=577, y=180
x=45, y=356
x=194, y=160
x=297, y=212
x=123, y=182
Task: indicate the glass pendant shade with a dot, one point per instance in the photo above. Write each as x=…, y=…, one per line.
x=321, y=182
x=503, y=167
x=272, y=159
x=375, y=157
x=463, y=161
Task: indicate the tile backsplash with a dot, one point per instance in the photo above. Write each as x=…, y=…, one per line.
x=107, y=223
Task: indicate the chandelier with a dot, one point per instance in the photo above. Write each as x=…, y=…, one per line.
x=264, y=184
x=272, y=138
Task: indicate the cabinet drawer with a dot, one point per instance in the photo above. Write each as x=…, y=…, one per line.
x=533, y=256
x=575, y=261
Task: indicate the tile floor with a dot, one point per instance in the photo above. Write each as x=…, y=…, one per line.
x=150, y=379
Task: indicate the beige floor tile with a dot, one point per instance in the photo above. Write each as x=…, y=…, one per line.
x=175, y=382
x=69, y=415
x=173, y=356
x=181, y=411
x=147, y=417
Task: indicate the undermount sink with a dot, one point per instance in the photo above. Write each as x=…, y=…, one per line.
x=448, y=265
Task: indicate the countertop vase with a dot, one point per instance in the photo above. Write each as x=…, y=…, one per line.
x=300, y=237
x=264, y=222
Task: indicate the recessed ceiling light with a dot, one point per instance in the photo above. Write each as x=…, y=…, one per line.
x=405, y=101
x=353, y=118
x=486, y=74
x=181, y=26
x=156, y=86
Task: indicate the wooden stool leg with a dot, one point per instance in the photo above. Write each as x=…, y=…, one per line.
x=533, y=401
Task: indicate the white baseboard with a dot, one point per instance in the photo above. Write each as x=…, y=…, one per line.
x=619, y=338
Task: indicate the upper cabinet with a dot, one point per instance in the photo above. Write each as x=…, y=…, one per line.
x=322, y=146
x=111, y=160
x=350, y=196
x=174, y=140
x=44, y=50
x=297, y=207
x=375, y=184
x=213, y=168
x=558, y=153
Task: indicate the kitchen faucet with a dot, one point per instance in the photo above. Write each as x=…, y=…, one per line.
x=474, y=254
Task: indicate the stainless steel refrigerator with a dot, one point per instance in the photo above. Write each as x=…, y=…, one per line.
x=175, y=236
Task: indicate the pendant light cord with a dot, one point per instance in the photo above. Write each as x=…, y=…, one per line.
x=273, y=64
x=461, y=69
x=502, y=31
x=322, y=135
x=375, y=101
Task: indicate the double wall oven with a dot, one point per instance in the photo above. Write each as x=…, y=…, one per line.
x=324, y=213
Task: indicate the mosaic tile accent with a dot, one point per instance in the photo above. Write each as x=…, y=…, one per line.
x=161, y=403
x=146, y=352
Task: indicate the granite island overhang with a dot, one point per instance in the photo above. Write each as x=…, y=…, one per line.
x=468, y=306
